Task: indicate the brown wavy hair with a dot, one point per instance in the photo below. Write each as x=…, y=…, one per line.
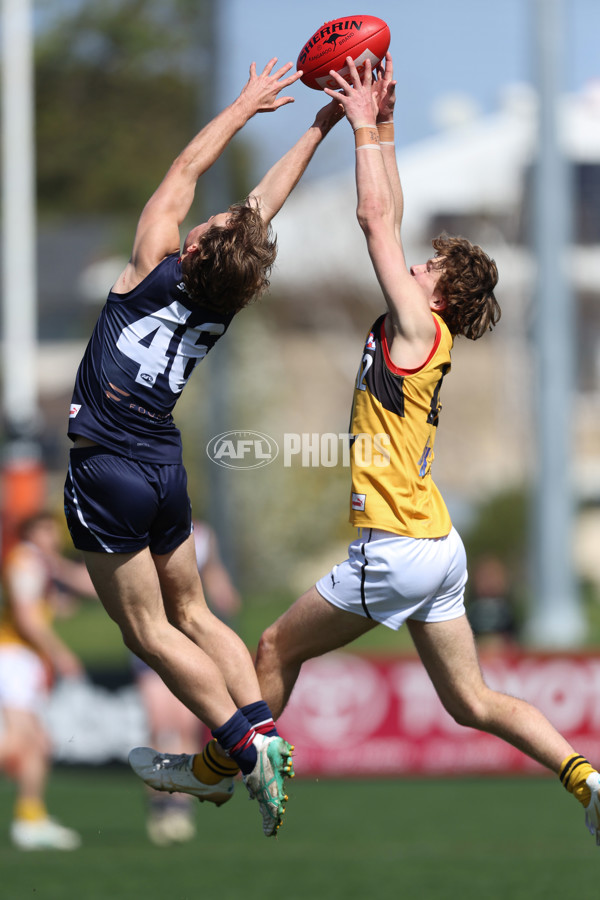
x=467, y=281
x=233, y=263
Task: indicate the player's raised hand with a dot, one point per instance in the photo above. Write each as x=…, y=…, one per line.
x=356, y=95
x=385, y=89
x=261, y=92
x=329, y=115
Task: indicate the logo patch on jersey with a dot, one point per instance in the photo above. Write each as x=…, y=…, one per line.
x=74, y=409
x=425, y=460
x=370, y=345
x=359, y=501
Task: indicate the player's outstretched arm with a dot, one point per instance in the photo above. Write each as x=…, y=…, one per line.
x=375, y=208
x=385, y=94
x=157, y=233
x=278, y=183
x=376, y=212
x=260, y=94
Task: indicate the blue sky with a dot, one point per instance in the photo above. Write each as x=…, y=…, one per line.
x=471, y=47
x=474, y=47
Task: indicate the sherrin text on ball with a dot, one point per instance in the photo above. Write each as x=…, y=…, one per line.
x=360, y=37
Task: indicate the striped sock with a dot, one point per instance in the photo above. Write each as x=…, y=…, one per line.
x=28, y=809
x=210, y=766
x=573, y=774
x=260, y=717
x=236, y=737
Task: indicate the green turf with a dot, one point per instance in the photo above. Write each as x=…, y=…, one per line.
x=475, y=838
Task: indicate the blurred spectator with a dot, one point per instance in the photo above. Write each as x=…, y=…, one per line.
x=32, y=655
x=171, y=725
x=490, y=604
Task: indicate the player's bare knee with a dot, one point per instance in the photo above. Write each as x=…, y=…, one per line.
x=470, y=712
x=142, y=639
x=265, y=649
x=133, y=643
x=196, y=621
x=270, y=650
x=182, y=620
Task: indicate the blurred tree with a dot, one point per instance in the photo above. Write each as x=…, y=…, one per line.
x=501, y=528
x=120, y=88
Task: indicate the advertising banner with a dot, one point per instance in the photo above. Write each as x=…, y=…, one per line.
x=358, y=715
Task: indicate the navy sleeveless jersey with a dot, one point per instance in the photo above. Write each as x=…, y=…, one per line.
x=140, y=356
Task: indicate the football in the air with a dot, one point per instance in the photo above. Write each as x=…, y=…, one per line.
x=361, y=37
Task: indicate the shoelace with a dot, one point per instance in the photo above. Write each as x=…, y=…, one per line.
x=176, y=762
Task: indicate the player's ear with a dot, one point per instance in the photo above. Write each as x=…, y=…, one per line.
x=438, y=302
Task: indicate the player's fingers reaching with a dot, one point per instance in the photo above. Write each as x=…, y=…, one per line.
x=342, y=83
x=277, y=76
x=385, y=89
x=364, y=80
x=269, y=66
x=357, y=98
x=388, y=68
x=281, y=101
x=283, y=70
x=288, y=81
x=367, y=74
x=354, y=73
x=279, y=86
x=261, y=92
x=385, y=72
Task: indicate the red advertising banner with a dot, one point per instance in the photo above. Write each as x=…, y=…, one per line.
x=357, y=715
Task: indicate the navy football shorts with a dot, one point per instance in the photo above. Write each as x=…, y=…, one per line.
x=119, y=505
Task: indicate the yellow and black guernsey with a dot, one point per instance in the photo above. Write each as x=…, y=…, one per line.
x=394, y=420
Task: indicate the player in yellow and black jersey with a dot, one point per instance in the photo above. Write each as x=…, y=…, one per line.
x=399, y=410
x=407, y=563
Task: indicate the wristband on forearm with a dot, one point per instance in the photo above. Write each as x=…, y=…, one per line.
x=366, y=136
x=386, y=132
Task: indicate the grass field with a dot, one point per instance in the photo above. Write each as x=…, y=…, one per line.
x=502, y=839
x=496, y=839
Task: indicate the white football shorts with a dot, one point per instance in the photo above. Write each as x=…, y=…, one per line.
x=390, y=578
x=23, y=680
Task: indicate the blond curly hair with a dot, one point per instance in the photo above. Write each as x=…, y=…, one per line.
x=467, y=281
x=233, y=263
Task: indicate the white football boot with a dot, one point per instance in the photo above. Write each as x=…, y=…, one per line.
x=173, y=772
x=46, y=834
x=592, y=810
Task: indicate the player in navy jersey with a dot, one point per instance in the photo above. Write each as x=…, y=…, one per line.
x=126, y=498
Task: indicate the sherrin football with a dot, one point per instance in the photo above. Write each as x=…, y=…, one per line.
x=361, y=37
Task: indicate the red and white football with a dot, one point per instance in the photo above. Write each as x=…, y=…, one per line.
x=361, y=37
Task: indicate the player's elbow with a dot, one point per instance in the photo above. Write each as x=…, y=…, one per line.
x=268, y=647
x=373, y=216
x=374, y=223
